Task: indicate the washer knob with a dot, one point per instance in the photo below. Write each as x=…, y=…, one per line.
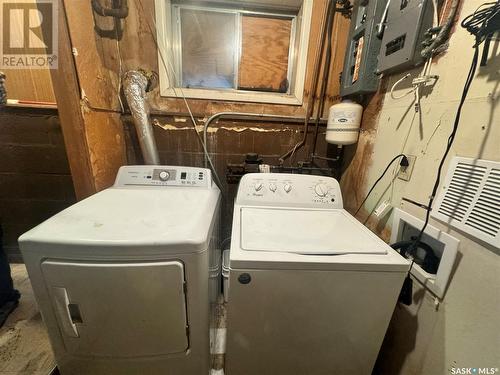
x=272, y=187
x=258, y=186
x=321, y=190
x=287, y=188
x=164, y=175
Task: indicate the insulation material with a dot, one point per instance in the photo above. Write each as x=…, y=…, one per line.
x=134, y=87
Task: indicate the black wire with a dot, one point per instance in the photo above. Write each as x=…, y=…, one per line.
x=378, y=180
x=451, y=138
x=481, y=24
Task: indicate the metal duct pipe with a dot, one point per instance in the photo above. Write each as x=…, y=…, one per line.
x=134, y=88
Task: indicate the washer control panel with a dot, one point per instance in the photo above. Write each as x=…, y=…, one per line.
x=157, y=175
x=275, y=189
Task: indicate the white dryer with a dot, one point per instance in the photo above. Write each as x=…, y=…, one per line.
x=122, y=277
x=311, y=290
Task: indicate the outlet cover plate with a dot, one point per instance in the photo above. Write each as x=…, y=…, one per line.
x=405, y=172
x=403, y=223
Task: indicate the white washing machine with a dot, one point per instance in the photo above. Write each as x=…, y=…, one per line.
x=122, y=277
x=311, y=290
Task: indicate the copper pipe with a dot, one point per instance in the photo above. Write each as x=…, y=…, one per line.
x=326, y=77
x=314, y=86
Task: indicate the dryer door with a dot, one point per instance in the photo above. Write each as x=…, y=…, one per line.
x=119, y=309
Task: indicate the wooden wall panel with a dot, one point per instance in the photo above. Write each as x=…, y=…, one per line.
x=94, y=139
x=265, y=45
x=28, y=84
x=139, y=49
x=96, y=57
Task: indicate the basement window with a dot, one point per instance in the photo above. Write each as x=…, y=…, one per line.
x=234, y=50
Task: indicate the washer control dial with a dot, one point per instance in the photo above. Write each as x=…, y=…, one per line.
x=287, y=187
x=272, y=187
x=164, y=175
x=321, y=190
x=258, y=186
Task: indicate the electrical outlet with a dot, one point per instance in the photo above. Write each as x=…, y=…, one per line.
x=405, y=172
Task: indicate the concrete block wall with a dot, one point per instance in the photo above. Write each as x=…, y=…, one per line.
x=228, y=142
x=35, y=181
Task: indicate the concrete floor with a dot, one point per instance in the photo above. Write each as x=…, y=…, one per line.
x=24, y=343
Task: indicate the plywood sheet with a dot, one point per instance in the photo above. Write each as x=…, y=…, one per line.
x=265, y=46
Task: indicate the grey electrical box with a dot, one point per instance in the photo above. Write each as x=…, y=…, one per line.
x=406, y=25
x=363, y=46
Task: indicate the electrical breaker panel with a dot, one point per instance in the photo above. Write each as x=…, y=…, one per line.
x=363, y=46
x=405, y=28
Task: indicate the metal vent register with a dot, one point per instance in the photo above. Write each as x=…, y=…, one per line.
x=470, y=199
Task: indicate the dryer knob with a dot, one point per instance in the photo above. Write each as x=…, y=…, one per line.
x=164, y=175
x=258, y=186
x=287, y=188
x=321, y=190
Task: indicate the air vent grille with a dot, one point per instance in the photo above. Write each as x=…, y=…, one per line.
x=470, y=199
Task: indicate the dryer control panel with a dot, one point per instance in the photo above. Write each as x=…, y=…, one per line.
x=291, y=190
x=158, y=175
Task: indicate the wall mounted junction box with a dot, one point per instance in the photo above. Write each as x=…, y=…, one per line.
x=405, y=28
x=363, y=46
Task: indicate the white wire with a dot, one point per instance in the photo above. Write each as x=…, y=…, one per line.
x=119, y=74
x=435, y=23
x=120, y=70
x=417, y=98
x=396, y=84
x=436, y=13
x=425, y=70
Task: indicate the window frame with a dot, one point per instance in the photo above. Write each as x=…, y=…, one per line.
x=167, y=47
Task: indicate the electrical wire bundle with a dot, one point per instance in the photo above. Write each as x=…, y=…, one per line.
x=483, y=24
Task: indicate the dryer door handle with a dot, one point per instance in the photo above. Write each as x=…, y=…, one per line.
x=62, y=307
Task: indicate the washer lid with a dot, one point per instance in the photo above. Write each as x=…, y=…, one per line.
x=314, y=232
